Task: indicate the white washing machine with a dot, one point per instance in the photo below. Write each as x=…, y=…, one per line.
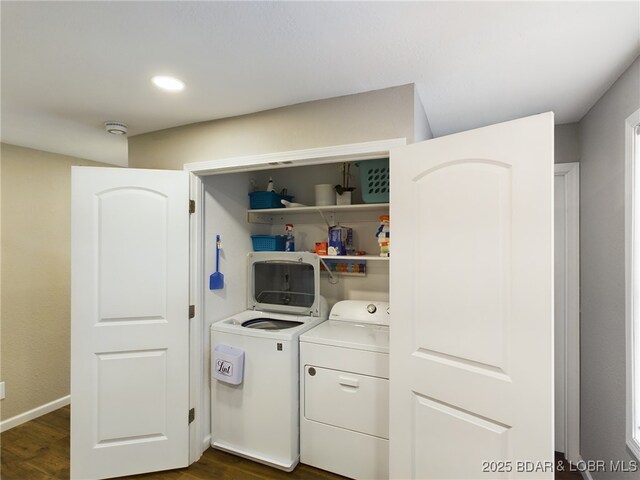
x=344, y=391
x=255, y=410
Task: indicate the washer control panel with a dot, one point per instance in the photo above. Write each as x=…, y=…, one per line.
x=361, y=311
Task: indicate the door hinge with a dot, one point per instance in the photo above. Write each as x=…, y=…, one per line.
x=192, y=206
x=192, y=311
x=192, y=415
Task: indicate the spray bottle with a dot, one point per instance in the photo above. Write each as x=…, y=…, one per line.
x=289, y=243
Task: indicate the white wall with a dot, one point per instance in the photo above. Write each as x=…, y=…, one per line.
x=602, y=269
x=375, y=115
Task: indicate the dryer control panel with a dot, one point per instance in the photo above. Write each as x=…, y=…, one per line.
x=361, y=311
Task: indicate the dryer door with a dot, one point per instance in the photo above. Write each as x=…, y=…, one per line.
x=284, y=282
x=359, y=403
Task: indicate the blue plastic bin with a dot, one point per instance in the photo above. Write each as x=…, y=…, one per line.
x=268, y=243
x=267, y=200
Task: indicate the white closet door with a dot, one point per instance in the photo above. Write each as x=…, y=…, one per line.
x=129, y=321
x=472, y=304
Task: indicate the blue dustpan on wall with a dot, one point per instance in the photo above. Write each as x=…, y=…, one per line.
x=216, y=279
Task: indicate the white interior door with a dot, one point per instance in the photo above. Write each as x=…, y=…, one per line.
x=472, y=304
x=129, y=321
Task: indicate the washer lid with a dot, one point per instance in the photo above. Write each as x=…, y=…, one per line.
x=284, y=282
x=266, y=323
x=360, y=336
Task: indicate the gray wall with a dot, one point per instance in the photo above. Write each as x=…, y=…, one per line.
x=602, y=160
x=566, y=147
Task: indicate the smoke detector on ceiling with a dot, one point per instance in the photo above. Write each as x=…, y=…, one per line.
x=116, y=128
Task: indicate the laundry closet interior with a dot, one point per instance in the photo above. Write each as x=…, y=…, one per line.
x=226, y=215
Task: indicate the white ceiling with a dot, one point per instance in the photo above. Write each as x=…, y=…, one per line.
x=67, y=67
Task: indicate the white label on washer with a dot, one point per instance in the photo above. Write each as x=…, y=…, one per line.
x=224, y=368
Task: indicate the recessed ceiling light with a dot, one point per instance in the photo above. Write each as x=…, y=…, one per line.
x=170, y=84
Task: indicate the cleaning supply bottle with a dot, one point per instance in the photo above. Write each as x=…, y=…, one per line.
x=289, y=242
x=383, y=235
x=270, y=187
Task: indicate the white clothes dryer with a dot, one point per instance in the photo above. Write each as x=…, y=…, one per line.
x=344, y=391
x=255, y=359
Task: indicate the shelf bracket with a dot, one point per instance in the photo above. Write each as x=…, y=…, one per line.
x=327, y=267
x=332, y=216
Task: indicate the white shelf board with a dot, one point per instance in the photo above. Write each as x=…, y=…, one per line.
x=364, y=207
x=344, y=274
x=353, y=257
x=312, y=214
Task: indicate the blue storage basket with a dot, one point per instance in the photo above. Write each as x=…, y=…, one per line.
x=267, y=200
x=374, y=180
x=268, y=243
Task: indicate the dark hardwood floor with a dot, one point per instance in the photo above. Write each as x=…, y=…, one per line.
x=39, y=449
x=565, y=473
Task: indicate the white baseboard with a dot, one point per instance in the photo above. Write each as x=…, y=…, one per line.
x=586, y=475
x=206, y=443
x=35, y=413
